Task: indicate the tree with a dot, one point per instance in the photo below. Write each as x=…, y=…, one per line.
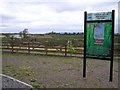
x=74, y=33
x=21, y=34
x=7, y=35
x=25, y=32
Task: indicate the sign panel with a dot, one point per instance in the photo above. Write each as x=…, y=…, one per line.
x=99, y=16
x=98, y=35
x=98, y=40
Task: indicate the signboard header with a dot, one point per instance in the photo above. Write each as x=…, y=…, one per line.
x=99, y=16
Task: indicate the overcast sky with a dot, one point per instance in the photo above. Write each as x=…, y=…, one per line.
x=42, y=16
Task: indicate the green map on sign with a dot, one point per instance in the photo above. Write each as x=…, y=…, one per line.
x=103, y=47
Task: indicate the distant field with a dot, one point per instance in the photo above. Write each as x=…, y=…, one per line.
x=58, y=39
x=51, y=39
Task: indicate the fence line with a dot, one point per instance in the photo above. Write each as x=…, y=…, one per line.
x=36, y=48
x=31, y=47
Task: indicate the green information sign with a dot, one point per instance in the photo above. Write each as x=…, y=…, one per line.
x=98, y=35
x=98, y=42
x=99, y=38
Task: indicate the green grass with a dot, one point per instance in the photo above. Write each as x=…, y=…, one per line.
x=117, y=44
x=117, y=61
x=38, y=86
x=23, y=70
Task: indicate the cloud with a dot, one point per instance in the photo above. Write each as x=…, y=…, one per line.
x=38, y=15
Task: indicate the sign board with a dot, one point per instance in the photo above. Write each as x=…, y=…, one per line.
x=99, y=37
x=99, y=16
x=98, y=42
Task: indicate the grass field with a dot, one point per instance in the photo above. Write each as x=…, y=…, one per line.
x=58, y=72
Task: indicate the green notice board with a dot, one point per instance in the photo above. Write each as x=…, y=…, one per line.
x=98, y=37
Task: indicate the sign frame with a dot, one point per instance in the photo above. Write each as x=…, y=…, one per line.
x=112, y=43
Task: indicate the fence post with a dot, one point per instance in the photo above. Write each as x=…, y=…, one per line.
x=20, y=46
x=65, y=50
x=7, y=45
x=12, y=45
x=32, y=45
x=46, y=49
x=28, y=48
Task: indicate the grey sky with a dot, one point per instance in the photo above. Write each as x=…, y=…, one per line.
x=42, y=16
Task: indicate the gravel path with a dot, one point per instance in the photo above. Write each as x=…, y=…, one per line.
x=9, y=82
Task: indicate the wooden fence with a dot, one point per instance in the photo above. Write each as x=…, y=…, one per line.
x=30, y=47
x=37, y=48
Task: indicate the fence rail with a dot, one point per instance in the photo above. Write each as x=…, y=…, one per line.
x=37, y=48
x=29, y=47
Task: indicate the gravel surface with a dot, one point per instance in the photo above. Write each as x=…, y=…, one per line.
x=59, y=72
x=9, y=82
